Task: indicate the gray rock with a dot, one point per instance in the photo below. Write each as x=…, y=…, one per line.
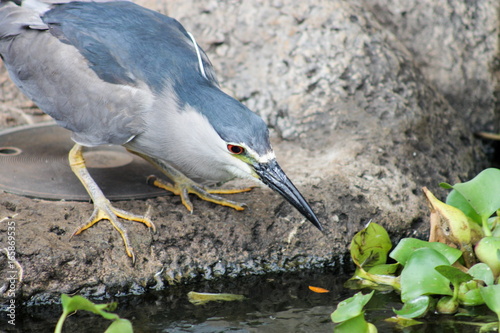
x=454, y=43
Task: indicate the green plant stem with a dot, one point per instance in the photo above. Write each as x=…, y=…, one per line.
x=380, y=279
x=60, y=322
x=498, y=323
x=486, y=229
x=455, y=291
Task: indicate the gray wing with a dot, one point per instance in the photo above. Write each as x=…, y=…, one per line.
x=58, y=79
x=88, y=70
x=126, y=43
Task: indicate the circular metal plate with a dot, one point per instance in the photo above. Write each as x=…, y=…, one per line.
x=34, y=163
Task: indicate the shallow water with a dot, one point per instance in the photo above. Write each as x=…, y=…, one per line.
x=275, y=303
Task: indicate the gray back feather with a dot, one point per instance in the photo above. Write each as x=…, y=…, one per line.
x=127, y=44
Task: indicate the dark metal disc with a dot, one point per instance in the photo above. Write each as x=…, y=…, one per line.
x=34, y=163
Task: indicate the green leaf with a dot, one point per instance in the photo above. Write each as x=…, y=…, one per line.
x=469, y=294
x=356, y=324
x=457, y=200
x=384, y=269
x=446, y=186
x=414, y=308
x=370, y=246
x=453, y=274
x=494, y=224
x=376, y=281
x=407, y=246
x=120, y=326
x=403, y=322
x=72, y=304
x=357, y=282
x=490, y=327
x=75, y=303
x=482, y=272
x=482, y=192
x=491, y=296
x=419, y=276
x=487, y=251
x=203, y=298
x=351, y=307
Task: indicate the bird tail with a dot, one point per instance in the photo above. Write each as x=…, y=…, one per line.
x=3, y=2
x=14, y=19
x=17, y=15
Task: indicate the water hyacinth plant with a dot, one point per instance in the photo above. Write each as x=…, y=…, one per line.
x=458, y=267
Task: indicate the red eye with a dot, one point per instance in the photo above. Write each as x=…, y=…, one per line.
x=237, y=150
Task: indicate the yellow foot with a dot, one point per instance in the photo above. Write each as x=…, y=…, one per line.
x=185, y=187
x=105, y=211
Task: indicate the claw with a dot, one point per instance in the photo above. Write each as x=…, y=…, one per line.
x=184, y=186
x=103, y=209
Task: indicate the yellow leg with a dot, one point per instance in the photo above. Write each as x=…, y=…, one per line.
x=183, y=186
x=103, y=210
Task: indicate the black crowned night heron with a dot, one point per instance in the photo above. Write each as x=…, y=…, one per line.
x=115, y=73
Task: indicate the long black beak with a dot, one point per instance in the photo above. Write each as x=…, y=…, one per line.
x=273, y=176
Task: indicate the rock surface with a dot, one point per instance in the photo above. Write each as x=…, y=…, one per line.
x=454, y=44
x=362, y=114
